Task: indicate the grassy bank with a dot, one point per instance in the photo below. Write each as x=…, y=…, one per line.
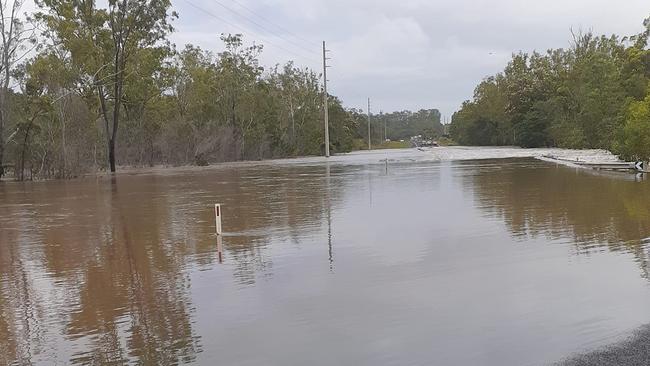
x=360, y=144
x=444, y=141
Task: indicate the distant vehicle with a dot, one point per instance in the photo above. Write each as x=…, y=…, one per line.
x=419, y=142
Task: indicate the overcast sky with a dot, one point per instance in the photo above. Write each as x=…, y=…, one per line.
x=403, y=54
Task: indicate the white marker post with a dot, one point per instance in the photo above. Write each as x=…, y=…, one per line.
x=217, y=217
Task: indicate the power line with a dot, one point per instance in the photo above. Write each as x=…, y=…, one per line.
x=247, y=31
x=272, y=23
x=260, y=25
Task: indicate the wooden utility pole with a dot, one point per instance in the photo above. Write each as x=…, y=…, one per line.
x=325, y=106
x=369, y=140
x=385, y=129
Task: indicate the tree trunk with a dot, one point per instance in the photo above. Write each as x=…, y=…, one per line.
x=119, y=79
x=64, y=158
x=3, y=95
x=6, y=66
x=22, y=155
x=2, y=145
x=116, y=120
x=102, y=103
x=293, y=123
x=2, y=168
x=3, y=113
x=111, y=134
x=111, y=154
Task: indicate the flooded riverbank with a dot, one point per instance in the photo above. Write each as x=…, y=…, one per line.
x=452, y=256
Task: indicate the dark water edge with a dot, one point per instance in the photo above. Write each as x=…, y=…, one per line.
x=635, y=350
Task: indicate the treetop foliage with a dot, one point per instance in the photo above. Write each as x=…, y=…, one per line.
x=590, y=95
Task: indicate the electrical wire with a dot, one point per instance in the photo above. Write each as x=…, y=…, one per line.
x=247, y=31
x=251, y=11
x=261, y=26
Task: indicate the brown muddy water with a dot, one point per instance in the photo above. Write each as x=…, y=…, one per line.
x=429, y=262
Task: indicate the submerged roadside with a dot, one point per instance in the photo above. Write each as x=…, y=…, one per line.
x=377, y=156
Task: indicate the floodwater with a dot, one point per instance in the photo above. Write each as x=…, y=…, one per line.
x=434, y=258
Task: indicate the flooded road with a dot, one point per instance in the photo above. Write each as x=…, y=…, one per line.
x=433, y=258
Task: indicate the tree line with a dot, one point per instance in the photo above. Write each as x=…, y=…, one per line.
x=594, y=94
x=86, y=88
x=401, y=125
x=395, y=126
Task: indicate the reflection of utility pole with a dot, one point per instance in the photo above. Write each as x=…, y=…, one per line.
x=325, y=107
x=369, y=141
x=329, y=217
